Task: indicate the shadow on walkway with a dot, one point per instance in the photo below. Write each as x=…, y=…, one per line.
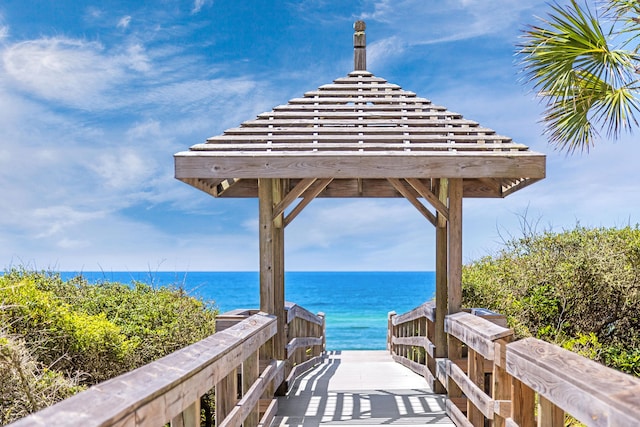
x=360, y=388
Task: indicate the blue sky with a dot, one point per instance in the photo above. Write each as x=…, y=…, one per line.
x=96, y=97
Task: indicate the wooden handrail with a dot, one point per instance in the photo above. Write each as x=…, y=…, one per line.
x=167, y=390
x=592, y=393
x=306, y=336
x=500, y=380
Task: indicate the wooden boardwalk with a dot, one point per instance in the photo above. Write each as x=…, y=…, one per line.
x=360, y=388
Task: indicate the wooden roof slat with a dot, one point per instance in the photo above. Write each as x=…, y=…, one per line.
x=356, y=114
x=360, y=130
x=344, y=100
x=361, y=107
x=354, y=129
x=359, y=86
x=355, y=121
x=360, y=93
x=362, y=137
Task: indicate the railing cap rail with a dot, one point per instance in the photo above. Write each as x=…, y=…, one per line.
x=141, y=393
x=428, y=310
x=478, y=333
x=591, y=392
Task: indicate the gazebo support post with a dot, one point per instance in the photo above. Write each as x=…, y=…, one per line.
x=270, y=193
x=441, y=280
x=454, y=285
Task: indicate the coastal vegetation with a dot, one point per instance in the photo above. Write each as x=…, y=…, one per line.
x=577, y=288
x=59, y=337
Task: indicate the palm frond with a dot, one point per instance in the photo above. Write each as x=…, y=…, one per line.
x=583, y=81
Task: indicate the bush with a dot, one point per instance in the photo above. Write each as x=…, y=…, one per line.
x=65, y=335
x=578, y=288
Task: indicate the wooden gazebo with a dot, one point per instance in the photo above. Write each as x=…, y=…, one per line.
x=360, y=136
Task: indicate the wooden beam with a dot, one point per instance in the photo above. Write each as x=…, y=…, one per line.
x=455, y=246
x=428, y=195
x=360, y=164
x=265, y=217
x=280, y=340
x=441, y=280
x=319, y=186
x=292, y=195
x=397, y=184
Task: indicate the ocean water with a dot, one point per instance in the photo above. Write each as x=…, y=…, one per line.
x=356, y=304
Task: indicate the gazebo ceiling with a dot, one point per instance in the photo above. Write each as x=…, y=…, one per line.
x=360, y=136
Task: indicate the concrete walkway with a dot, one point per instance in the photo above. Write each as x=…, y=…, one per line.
x=360, y=388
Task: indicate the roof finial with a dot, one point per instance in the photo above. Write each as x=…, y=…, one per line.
x=359, y=46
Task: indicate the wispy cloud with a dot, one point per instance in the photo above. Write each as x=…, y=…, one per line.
x=450, y=21
x=199, y=4
x=124, y=22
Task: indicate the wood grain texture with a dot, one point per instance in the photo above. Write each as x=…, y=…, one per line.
x=476, y=332
x=475, y=394
x=361, y=127
x=594, y=394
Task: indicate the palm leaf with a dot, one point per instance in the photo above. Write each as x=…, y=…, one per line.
x=585, y=83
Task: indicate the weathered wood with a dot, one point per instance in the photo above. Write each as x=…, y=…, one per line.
x=349, y=140
x=522, y=404
x=364, y=164
x=250, y=374
x=592, y=393
x=190, y=417
x=359, y=46
x=426, y=310
x=455, y=246
x=226, y=395
x=266, y=233
x=162, y=389
x=376, y=188
x=456, y=415
x=549, y=415
x=274, y=372
x=475, y=373
x=295, y=311
x=441, y=297
x=476, y=332
x=398, y=185
x=302, y=343
x=313, y=192
x=292, y=195
x=477, y=396
x=501, y=383
x=269, y=413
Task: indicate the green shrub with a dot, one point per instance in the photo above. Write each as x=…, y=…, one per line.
x=26, y=386
x=65, y=335
x=579, y=288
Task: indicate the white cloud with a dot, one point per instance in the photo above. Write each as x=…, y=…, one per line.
x=199, y=4
x=384, y=51
x=4, y=32
x=70, y=71
x=449, y=21
x=124, y=22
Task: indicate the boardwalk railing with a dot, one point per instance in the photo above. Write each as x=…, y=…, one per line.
x=513, y=383
x=169, y=390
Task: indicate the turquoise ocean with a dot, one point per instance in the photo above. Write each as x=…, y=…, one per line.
x=356, y=304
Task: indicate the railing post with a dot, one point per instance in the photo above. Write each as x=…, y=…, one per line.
x=226, y=395
x=250, y=373
x=323, y=333
x=522, y=404
x=390, y=332
x=501, y=382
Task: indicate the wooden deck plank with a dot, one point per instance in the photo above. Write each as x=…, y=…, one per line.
x=361, y=388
